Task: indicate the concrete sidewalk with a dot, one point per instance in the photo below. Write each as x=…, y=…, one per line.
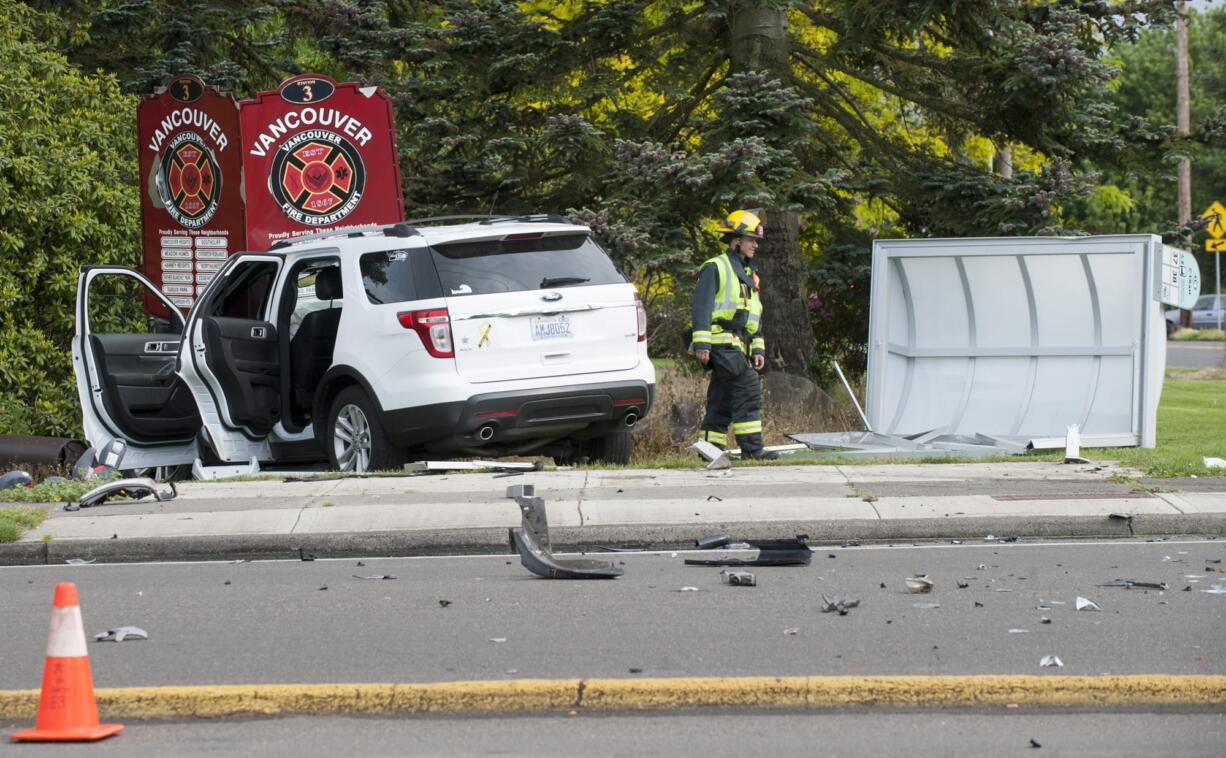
x=449, y=513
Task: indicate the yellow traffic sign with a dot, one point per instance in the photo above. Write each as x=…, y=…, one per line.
x=1215, y=246
x=1216, y=214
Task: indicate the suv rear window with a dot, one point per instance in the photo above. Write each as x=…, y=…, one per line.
x=514, y=265
x=397, y=276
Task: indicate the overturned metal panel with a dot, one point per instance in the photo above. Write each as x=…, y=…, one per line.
x=1017, y=338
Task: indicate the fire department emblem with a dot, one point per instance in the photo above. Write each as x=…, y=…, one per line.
x=317, y=177
x=189, y=181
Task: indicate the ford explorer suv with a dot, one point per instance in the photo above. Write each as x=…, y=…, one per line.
x=371, y=347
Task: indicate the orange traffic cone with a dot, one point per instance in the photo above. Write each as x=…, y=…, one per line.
x=67, y=711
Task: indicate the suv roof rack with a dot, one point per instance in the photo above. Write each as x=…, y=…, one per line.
x=552, y=218
x=399, y=229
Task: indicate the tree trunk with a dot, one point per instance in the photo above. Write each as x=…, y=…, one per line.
x=758, y=41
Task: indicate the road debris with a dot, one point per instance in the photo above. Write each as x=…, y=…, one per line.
x=791, y=631
x=376, y=576
x=444, y=603
x=133, y=489
x=1034, y=743
x=1051, y=660
x=16, y=478
x=1019, y=631
x=978, y=604
x=925, y=605
x=1217, y=589
x=1211, y=462
x=80, y=561
x=840, y=604
x=738, y=578
x=1085, y=604
x=535, y=550
x=786, y=552
x=498, y=639
x=918, y=585
x=712, y=542
x=689, y=589
x=303, y=556
x=1131, y=584
x=122, y=633
x=963, y=584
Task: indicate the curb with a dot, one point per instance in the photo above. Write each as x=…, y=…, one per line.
x=528, y=695
x=497, y=539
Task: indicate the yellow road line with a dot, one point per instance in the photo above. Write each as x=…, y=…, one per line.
x=640, y=694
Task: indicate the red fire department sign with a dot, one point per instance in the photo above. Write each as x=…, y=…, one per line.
x=191, y=206
x=318, y=156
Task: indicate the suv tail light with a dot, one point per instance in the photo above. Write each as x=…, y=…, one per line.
x=434, y=328
x=641, y=310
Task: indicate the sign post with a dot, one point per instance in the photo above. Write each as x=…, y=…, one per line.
x=318, y=156
x=191, y=198
x=1216, y=227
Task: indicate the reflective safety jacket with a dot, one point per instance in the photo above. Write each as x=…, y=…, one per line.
x=727, y=309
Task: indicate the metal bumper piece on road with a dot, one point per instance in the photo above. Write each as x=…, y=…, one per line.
x=532, y=542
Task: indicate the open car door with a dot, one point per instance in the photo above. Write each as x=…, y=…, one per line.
x=231, y=361
x=125, y=366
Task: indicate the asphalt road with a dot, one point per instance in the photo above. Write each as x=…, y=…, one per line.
x=1195, y=354
x=269, y=622
x=727, y=733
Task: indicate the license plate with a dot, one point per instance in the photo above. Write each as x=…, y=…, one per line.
x=551, y=327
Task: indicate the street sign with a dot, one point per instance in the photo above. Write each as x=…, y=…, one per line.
x=318, y=156
x=191, y=203
x=1216, y=213
x=1215, y=246
x=1180, y=277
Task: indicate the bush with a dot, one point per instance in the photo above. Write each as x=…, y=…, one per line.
x=68, y=176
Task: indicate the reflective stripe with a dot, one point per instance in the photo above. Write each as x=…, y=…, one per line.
x=726, y=303
x=754, y=319
x=719, y=438
x=747, y=427
x=723, y=338
x=758, y=344
x=67, y=636
x=700, y=336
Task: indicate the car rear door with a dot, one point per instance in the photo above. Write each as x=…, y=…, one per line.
x=232, y=361
x=125, y=366
x=533, y=305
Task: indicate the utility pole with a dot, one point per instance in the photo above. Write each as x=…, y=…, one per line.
x=1183, y=127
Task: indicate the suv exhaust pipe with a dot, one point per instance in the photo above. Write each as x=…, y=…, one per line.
x=486, y=433
x=630, y=419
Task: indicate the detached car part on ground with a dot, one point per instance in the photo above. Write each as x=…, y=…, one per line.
x=536, y=550
x=371, y=347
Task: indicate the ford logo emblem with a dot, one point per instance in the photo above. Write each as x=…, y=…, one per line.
x=551, y=297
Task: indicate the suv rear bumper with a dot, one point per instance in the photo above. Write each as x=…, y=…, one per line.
x=521, y=414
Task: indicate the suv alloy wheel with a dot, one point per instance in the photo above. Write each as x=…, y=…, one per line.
x=356, y=441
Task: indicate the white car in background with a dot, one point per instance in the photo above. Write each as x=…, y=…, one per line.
x=1207, y=313
x=372, y=347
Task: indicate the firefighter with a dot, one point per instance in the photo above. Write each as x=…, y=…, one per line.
x=727, y=338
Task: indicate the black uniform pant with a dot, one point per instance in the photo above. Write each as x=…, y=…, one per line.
x=734, y=401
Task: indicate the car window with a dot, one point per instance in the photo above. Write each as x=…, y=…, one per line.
x=245, y=291
x=518, y=264
x=116, y=305
x=397, y=276
x=306, y=301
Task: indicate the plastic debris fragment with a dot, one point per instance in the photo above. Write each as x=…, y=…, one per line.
x=122, y=633
x=791, y=631
x=1217, y=589
x=80, y=561
x=1085, y=604
x=738, y=578
x=925, y=605
x=918, y=585
x=1051, y=660
x=840, y=604
x=376, y=576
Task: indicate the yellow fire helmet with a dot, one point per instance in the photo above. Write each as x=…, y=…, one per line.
x=742, y=224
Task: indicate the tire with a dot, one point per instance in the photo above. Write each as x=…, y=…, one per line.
x=613, y=448
x=353, y=414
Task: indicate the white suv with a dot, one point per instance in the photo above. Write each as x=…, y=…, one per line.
x=370, y=347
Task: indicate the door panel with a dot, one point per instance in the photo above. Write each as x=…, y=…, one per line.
x=126, y=369
x=242, y=355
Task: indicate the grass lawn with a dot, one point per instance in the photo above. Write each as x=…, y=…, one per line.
x=15, y=520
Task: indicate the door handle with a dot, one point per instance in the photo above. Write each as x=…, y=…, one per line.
x=258, y=332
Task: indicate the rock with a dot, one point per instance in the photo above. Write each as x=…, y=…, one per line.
x=785, y=393
x=683, y=419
